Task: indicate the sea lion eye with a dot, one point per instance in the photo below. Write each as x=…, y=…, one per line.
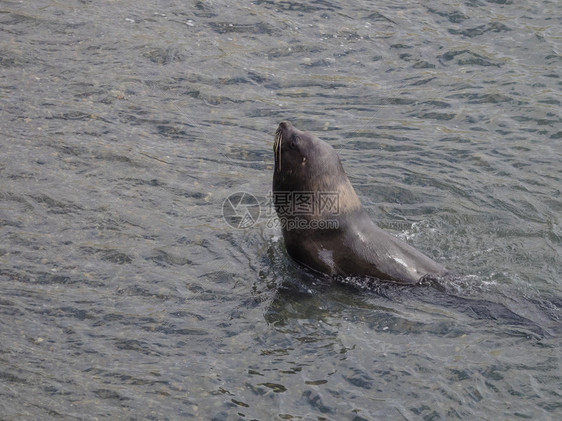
x=294, y=141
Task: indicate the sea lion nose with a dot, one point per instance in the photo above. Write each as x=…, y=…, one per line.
x=285, y=125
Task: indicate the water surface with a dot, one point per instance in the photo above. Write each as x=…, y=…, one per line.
x=125, y=126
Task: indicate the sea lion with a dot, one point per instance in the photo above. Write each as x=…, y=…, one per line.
x=324, y=225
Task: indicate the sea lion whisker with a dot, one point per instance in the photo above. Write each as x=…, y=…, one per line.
x=277, y=147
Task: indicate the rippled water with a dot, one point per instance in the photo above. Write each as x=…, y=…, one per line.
x=125, y=126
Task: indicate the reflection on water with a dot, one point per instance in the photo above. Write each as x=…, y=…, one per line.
x=126, y=125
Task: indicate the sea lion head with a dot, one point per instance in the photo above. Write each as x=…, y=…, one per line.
x=299, y=153
x=305, y=163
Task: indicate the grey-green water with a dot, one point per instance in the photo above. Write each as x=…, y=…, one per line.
x=126, y=124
